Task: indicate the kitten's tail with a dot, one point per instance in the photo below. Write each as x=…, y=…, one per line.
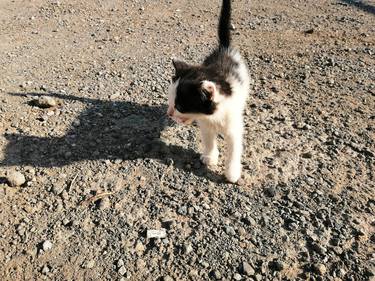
x=224, y=24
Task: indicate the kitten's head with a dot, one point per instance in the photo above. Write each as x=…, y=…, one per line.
x=191, y=95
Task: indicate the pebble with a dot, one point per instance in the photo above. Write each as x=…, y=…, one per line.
x=249, y=220
x=188, y=249
x=320, y=268
x=58, y=188
x=277, y=265
x=237, y=277
x=105, y=203
x=47, y=245
x=216, y=274
x=247, y=269
x=45, y=102
x=230, y=230
x=167, y=278
x=66, y=221
x=15, y=179
x=156, y=233
x=120, y=263
x=45, y=269
x=270, y=191
x=140, y=264
x=115, y=96
x=122, y=270
x=275, y=89
x=182, y=210
x=90, y=264
x=139, y=247
x=205, y=264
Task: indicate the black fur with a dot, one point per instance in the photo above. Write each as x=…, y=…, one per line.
x=190, y=97
x=224, y=24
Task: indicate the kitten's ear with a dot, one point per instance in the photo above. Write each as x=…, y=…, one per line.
x=210, y=89
x=179, y=65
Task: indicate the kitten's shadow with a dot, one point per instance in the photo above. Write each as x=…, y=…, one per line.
x=105, y=130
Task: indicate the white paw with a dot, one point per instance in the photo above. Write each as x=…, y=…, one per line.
x=233, y=173
x=210, y=159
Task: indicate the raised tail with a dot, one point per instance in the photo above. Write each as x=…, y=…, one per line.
x=224, y=24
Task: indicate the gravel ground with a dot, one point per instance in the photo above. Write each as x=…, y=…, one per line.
x=97, y=184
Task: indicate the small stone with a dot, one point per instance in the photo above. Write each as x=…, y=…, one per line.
x=248, y=220
x=156, y=233
x=182, y=210
x=306, y=155
x=45, y=102
x=193, y=274
x=230, y=230
x=318, y=248
x=139, y=247
x=122, y=270
x=247, y=269
x=140, y=264
x=205, y=264
x=217, y=274
x=237, y=277
x=320, y=268
x=170, y=162
x=310, y=181
x=270, y=191
x=15, y=179
x=115, y=96
x=120, y=263
x=47, y=245
x=277, y=265
x=275, y=89
x=66, y=221
x=90, y=264
x=310, y=31
x=188, y=249
x=45, y=269
x=167, y=278
x=105, y=203
x=58, y=188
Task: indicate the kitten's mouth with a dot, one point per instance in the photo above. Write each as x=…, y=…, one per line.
x=182, y=120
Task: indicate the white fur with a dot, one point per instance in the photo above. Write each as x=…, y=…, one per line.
x=227, y=119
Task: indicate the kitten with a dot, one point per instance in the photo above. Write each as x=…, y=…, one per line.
x=214, y=94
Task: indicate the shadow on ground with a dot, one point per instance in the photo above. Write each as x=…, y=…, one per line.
x=360, y=5
x=105, y=130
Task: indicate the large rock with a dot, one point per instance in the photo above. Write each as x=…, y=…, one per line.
x=15, y=178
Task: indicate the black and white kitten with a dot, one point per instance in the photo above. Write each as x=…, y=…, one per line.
x=214, y=94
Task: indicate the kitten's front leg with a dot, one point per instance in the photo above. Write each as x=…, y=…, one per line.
x=233, y=161
x=210, y=154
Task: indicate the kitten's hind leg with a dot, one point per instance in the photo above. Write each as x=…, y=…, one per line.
x=210, y=154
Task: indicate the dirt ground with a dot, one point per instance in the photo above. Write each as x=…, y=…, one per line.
x=100, y=165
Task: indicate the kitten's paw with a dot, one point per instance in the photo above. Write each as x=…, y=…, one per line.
x=233, y=173
x=210, y=159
